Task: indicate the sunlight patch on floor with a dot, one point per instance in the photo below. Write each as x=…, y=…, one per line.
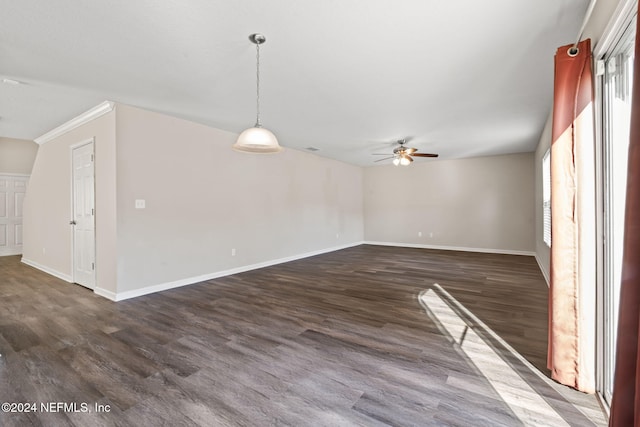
x=521, y=398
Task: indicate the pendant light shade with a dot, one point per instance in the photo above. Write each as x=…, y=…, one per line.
x=257, y=139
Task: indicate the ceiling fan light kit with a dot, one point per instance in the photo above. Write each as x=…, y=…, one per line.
x=257, y=139
x=403, y=155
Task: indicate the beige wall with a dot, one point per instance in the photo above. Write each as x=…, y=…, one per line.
x=17, y=155
x=204, y=199
x=483, y=203
x=47, y=205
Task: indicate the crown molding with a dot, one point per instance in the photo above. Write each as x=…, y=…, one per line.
x=87, y=116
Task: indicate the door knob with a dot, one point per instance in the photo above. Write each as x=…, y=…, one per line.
x=72, y=223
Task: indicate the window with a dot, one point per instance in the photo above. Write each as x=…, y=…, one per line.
x=546, y=197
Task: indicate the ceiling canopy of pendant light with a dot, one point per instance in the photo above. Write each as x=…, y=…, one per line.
x=257, y=139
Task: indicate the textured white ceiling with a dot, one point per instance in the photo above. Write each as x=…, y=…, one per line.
x=459, y=77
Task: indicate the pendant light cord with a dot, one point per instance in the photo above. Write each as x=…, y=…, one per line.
x=258, y=124
x=257, y=139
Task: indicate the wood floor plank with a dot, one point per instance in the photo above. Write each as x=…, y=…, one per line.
x=366, y=336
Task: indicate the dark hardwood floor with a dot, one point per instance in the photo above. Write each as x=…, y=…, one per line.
x=370, y=336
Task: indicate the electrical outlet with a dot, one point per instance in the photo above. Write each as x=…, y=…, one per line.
x=431, y=234
x=140, y=204
x=233, y=252
x=419, y=233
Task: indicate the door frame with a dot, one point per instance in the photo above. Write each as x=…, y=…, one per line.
x=72, y=211
x=624, y=13
x=19, y=176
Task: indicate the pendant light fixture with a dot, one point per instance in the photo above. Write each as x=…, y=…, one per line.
x=257, y=139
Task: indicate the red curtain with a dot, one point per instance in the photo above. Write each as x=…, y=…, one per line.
x=572, y=132
x=625, y=406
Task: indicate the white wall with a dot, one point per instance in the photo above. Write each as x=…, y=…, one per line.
x=204, y=199
x=17, y=155
x=47, y=205
x=483, y=203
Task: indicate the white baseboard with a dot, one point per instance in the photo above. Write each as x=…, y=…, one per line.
x=543, y=270
x=10, y=251
x=453, y=248
x=107, y=294
x=120, y=296
x=48, y=270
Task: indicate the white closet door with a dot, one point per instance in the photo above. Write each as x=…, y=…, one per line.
x=12, y=192
x=84, y=245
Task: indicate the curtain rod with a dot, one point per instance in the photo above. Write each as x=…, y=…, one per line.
x=574, y=50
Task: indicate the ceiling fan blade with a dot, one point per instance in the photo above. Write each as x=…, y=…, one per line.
x=424, y=155
x=386, y=158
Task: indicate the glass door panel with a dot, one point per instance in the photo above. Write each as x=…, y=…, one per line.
x=618, y=79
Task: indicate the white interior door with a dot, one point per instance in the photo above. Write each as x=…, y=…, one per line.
x=12, y=191
x=83, y=222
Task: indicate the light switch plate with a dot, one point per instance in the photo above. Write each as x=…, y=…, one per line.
x=140, y=204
